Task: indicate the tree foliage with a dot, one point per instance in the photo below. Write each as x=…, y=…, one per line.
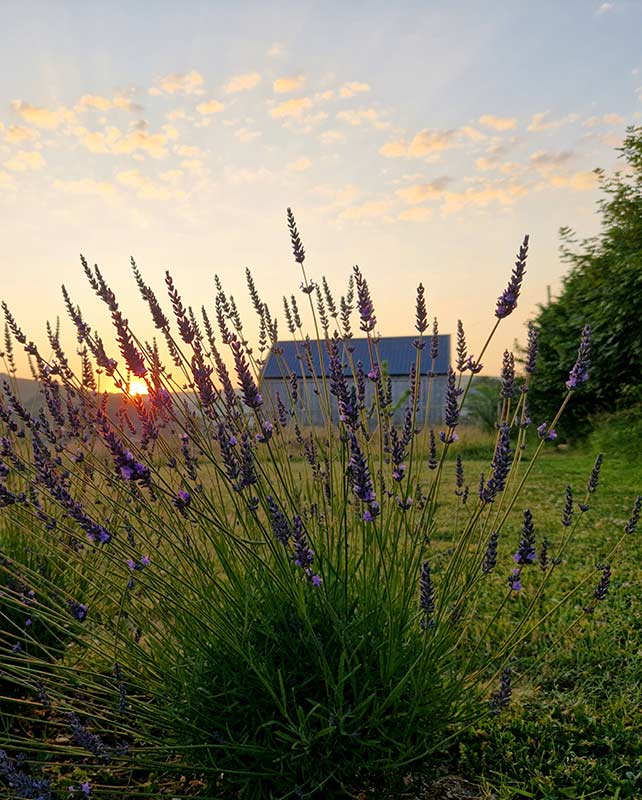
x=604, y=288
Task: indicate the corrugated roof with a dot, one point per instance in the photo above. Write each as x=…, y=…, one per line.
x=397, y=351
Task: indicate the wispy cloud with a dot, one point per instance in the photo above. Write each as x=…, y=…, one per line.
x=330, y=137
x=360, y=116
x=42, y=117
x=417, y=214
x=605, y=119
x=604, y=8
x=542, y=121
x=242, y=83
x=498, y=123
x=15, y=134
x=352, y=88
x=180, y=83
x=113, y=140
x=424, y=143
x=294, y=107
x=300, y=165
x=419, y=192
x=287, y=84
x=276, y=50
x=247, y=135
x=146, y=187
x=25, y=161
x=210, y=107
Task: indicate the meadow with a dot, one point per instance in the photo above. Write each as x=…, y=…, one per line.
x=203, y=596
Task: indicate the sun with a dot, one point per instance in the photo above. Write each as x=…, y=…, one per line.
x=137, y=388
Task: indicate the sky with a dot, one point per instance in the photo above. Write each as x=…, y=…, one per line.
x=419, y=140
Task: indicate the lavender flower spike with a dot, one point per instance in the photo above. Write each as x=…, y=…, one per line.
x=501, y=698
x=451, y=413
x=427, y=595
x=526, y=551
x=531, y=348
x=507, y=301
x=579, y=374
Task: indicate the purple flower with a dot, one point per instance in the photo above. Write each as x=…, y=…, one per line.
x=145, y=561
x=316, y=580
x=544, y=433
x=580, y=372
x=297, y=245
x=364, y=302
x=451, y=412
x=360, y=472
x=462, y=353
x=182, y=500
x=426, y=595
x=526, y=551
x=603, y=586
x=531, y=348
x=500, y=466
x=489, y=561
x=632, y=525
x=85, y=788
x=595, y=474
x=501, y=698
x=508, y=376
x=507, y=301
x=77, y=610
x=567, y=516
x=514, y=581
x=421, y=317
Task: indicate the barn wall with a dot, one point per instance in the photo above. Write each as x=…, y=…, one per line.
x=309, y=400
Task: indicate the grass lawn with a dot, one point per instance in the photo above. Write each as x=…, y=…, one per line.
x=574, y=729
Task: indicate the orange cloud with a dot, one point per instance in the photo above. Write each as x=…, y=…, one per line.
x=210, y=107
x=352, y=88
x=42, y=117
x=291, y=108
x=419, y=192
x=288, y=84
x=25, y=161
x=18, y=133
x=300, y=165
x=424, y=143
x=180, y=83
x=498, y=123
x=242, y=83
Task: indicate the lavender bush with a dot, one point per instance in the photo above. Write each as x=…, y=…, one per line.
x=207, y=584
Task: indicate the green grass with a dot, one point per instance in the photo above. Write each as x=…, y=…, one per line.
x=574, y=729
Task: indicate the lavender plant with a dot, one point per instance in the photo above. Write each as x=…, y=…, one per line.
x=260, y=601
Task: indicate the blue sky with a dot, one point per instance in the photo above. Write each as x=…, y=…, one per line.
x=420, y=140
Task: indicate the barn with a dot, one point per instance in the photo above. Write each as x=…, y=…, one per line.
x=395, y=356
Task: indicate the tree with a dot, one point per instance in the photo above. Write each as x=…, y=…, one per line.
x=603, y=288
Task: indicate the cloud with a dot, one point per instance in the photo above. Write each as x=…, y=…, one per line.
x=498, y=123
x=276, y=50
x=210, y=107
x=473, y=133
x=94, y=101
x=424, y=143
x=247, y=135
x=415, y=214
x=18, y=133
x=180, y=83
x=542, y=121
x=86, y=186
x=330, y=137
x=501, y=192
x=288, y=84
x=543, y=160
x=291, y=108
x=42, y=117
x=352, y=88
x=147, y=188
x=171, y=175
x=187, y=151
x=300, y=165
x=177, y=113
x=358, y=117
x=605, y=8
x=242, y=83
x=419, y=192
x=605, y=119
x=113, y=140
x=373, y=209
x=25, y=161
x=324, y=97
x=578, y=181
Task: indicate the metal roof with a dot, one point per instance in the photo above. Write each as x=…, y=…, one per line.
x=396, y=351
